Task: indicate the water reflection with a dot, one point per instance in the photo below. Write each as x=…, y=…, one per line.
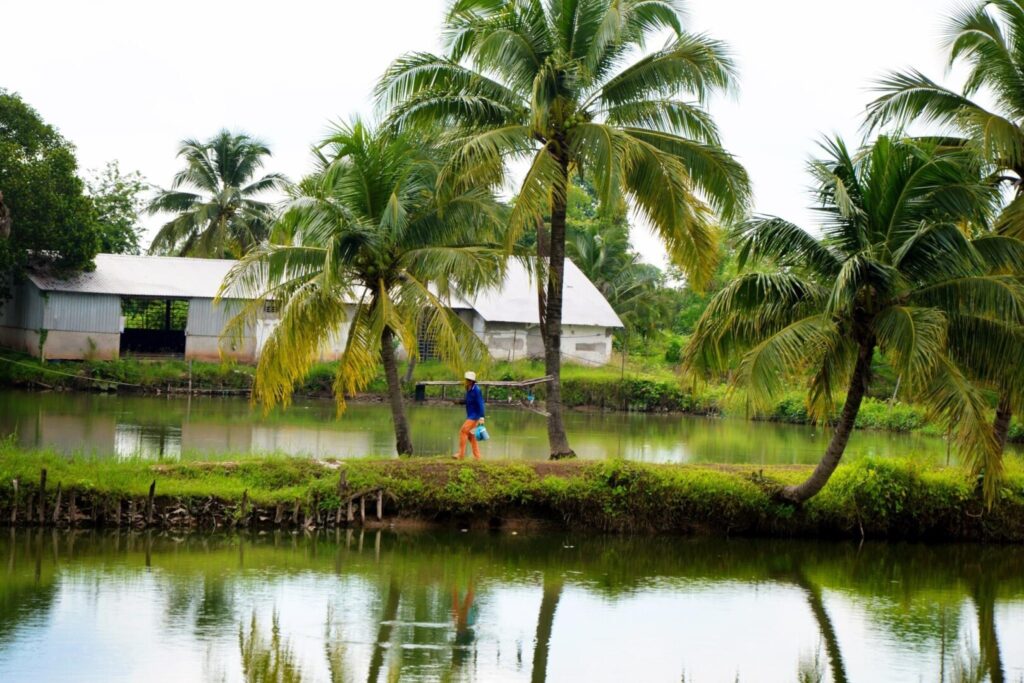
x=354, y=606
x=162, y=427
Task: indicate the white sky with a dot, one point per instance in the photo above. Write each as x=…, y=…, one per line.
x=128, y=80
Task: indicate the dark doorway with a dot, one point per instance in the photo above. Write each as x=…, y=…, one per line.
x=154, y=326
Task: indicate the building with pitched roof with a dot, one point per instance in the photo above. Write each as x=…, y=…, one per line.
x=159, y=305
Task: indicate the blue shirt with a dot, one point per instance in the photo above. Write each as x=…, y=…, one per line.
x=474, y=403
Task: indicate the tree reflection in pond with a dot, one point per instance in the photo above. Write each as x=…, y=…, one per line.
x=439, y=606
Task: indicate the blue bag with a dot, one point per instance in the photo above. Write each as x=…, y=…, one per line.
x=481, y=433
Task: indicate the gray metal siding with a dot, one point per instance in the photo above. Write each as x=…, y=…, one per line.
x=206, y=319
x=82, y=312
x=24, y=309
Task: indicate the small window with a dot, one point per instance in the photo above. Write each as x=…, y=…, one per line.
x=272, y=306
x=590, y=347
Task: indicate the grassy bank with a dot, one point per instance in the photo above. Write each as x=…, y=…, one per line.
x=641, y=389
x=885, y=499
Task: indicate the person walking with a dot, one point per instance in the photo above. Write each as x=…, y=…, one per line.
x=474, y=417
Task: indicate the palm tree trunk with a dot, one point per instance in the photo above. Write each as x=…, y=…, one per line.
x=384, y=632
x=558, y=441
x=403, y=439
x=545, y=625
x=828, y=631
x=837, y=446
x=1001, y=426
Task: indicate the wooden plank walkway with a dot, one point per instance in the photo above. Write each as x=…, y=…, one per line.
x=487, y=383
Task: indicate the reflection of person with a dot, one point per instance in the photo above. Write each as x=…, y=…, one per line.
x=464, y=613
x=474, y=417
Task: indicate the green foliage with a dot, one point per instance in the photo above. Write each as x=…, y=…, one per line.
x=893, y=272
x=53, y=223
x=118, y=202
x=217, y=199
x=674, y=352
x=378, y=224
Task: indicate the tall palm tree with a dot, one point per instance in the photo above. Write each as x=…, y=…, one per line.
x=891, y=269
x=216, y=200
x=372, y=226
x=566, y=86
x=988, y=36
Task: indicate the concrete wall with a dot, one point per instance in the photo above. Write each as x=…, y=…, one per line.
x=210, y=348
x=66, y=345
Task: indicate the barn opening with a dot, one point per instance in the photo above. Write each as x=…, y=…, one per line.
x=153, y=326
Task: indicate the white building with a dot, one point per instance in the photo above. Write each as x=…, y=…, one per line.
x=165, y=305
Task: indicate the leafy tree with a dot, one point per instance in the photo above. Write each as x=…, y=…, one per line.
x=216, y=200
x=566, y=85
x=118, y=202
x=988, y=36
x=373, y=225
x=890, y=272
x=51, y=221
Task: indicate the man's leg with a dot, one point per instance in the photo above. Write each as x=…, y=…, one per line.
x=473, y=441
x=464, y=433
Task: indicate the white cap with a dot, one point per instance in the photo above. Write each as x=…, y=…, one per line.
x=471, y=376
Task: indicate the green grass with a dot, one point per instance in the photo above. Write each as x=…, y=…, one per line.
x=884, y=498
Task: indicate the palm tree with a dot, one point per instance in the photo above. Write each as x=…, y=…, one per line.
x=215, y=199
x=988, y=36
x=564, y=85
x=371, y=225
x=891, y=269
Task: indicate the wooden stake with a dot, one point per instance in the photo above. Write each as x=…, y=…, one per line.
x=362, y=509
x=72, y=509
x=380, y=505
x=350, y=515
x=295, y=512
x=245, y=506
x=14, y=507
x=42, y=496
x=279, y=515
x=149, y=503
x=56, y=508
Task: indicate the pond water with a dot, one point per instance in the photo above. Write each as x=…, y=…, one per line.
x=154, y=427
x=388, y=606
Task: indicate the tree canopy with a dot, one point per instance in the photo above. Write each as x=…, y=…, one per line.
x=218, y=201
x=117, y=198
x=52, y=222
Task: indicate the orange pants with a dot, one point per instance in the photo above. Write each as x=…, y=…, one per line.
x=467, y=433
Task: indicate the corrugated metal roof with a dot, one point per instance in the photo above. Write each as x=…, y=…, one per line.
x=187, y=278
x=516, y=300
x=159, y=276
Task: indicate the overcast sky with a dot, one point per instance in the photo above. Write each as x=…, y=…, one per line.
x=128, y=80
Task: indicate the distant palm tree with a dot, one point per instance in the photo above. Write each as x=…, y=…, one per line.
x=374, y=226
x=215, y=199
x=566, y=85
x=891, y=269
x=989, y=36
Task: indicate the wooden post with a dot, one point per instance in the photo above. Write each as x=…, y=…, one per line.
x=380, y=504
x=342, y=486
x=72, y=509
x=295, y=512
x=14, y=507
x=279, y=515
x=362, y=509
x=42, y=496
x=245, y=507
x=350, y=515
x=56, y=508
x=149, y=503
